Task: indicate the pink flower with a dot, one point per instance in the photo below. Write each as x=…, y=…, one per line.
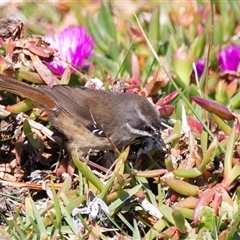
x=229, y=58
x=73, y=45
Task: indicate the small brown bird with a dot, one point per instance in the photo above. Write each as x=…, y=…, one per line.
x=90, y=118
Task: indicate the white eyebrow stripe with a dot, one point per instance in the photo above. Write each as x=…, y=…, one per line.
x=137, y=132
x=141, y=115
x=143, y=118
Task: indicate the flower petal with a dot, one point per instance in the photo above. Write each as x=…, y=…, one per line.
x=200, y=67
x=73, y=46
x=229, y=58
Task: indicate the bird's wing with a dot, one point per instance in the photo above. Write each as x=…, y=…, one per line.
x=74, y=101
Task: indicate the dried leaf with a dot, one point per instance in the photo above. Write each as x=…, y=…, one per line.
x=47, y=76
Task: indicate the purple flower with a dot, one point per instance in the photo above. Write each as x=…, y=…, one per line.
x=73, y=46
x=229, y=58
x=200, y=67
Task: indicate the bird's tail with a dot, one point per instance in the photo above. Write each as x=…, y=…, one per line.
x=20, y=88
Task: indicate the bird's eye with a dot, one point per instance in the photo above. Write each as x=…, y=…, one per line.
x=147, y=128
